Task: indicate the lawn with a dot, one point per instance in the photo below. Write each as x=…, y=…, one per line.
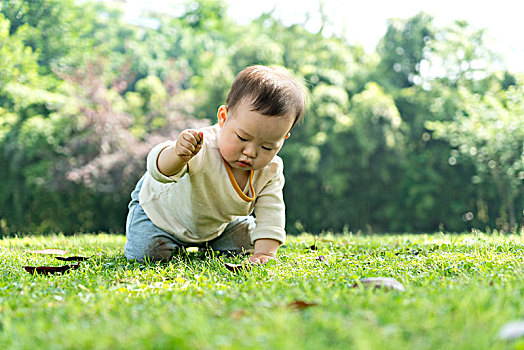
x=460, y=291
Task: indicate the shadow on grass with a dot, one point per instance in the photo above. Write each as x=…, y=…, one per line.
x=188, y=257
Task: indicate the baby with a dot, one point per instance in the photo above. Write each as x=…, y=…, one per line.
x=220, y=187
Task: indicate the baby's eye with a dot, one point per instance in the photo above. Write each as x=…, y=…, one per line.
x=266, y=148
x=241, y=138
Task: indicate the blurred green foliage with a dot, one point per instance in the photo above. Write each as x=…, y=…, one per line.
x=424, y=134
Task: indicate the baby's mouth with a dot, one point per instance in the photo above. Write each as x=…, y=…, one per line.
x=243, y=164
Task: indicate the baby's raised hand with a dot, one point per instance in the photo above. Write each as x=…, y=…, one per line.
x=188, y=144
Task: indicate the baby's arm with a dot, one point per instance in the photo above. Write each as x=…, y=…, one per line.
x=173, y=158
x=270, y=212
x=265, y=250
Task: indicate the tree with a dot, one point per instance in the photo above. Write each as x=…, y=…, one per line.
x=84, y=95
x=59, y=30
x=27, y=99
x=490, y=132
x=403, y=48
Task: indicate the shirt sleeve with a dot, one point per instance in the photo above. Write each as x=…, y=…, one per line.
x=270, y=210
x=152, y=165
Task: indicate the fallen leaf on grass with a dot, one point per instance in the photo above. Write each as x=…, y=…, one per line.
x=49, y=251
x=237, y=267
x=49, y=270
x=512, y=330
x=300, y=305
x=238, y=314
x=72, y=258
x=387, y=283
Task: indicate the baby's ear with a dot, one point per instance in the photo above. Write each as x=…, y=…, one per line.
x=222, y=115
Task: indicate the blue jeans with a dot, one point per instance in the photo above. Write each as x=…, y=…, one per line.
x=145, y=241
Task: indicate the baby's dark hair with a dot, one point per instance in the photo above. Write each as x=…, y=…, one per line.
x=272, y=91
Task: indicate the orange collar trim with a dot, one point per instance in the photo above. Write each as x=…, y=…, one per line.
x=235, y=184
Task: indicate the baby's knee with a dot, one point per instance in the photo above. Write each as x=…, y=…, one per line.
x=157, y=249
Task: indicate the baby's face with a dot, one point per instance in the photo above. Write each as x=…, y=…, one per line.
x=249, y=140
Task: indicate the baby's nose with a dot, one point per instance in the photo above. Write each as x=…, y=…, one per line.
x=250, y=151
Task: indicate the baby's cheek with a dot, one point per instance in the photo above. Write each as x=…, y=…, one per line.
x=265, y=160
x=227, y=149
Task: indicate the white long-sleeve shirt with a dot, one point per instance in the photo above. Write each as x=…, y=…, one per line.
x=197, y=203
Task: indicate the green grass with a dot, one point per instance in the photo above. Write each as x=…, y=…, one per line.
x=459, y=291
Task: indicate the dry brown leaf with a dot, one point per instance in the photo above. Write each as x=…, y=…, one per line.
x=237, y=267
x=387, y=283
x=49, y=251
x=72, y=258
x=238, y=314
x=300, y=304
x=49, y=270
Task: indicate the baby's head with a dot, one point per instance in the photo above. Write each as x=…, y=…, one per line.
x=262, y=107
x=270, y=91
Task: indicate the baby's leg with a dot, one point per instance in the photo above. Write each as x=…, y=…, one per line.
x=236, y=238
x=145, y=241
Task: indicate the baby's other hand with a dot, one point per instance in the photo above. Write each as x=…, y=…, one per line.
x=188, y=144
x=260, y=258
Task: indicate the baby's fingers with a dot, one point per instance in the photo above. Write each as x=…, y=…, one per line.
x=253, y=260
x=259, y=259
x=200, y=137
x=187, y=144
x=195, y=137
